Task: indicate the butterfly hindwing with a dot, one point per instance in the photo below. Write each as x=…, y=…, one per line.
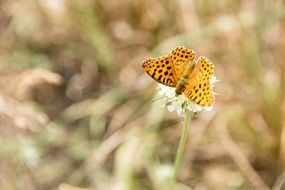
x=199, y=89
x=161, y=70
x=202, y=96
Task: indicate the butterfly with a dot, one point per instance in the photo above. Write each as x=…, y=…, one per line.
x=188, y=76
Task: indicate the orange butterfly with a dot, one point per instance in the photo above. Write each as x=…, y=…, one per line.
x=177, y=69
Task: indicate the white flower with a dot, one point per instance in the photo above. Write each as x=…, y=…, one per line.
x=213, y=80
x=180, y=103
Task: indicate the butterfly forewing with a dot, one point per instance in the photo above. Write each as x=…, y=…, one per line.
x=199, y=90
x=180, y=57
x=161, y=70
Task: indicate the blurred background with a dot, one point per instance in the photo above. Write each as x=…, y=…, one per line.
x=76, y=109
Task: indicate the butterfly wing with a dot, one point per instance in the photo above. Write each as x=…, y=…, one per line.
x=161, y=70
x=199, y=90
x=180, y=57
x=168, y=69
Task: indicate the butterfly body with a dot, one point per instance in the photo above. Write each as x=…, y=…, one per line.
x=179, y=70
x=183, y=81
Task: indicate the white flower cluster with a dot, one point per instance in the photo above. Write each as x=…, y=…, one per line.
x=180, y=103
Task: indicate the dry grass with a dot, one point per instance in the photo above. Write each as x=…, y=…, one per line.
x=76, y=109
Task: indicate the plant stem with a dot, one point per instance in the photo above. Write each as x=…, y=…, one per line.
x=182, y=143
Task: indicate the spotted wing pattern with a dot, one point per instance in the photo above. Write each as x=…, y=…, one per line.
x=199, y=89
x=180, y=57
x=161, y=70
x=168, y=69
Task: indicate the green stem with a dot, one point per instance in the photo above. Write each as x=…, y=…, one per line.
x=182, y=143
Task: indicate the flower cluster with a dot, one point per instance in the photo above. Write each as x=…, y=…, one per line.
x=180, y=103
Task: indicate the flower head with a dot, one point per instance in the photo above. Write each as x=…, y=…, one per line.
x=180, y=103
